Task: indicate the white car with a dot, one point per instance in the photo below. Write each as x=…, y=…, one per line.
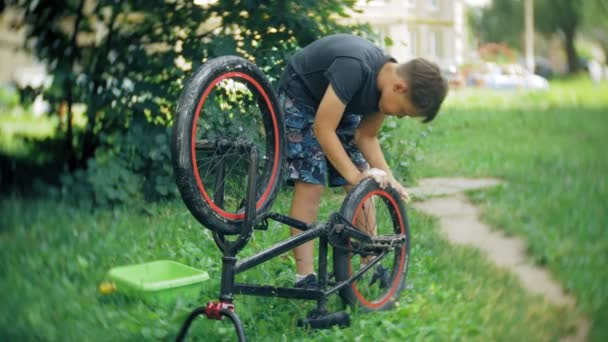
x=512, y=76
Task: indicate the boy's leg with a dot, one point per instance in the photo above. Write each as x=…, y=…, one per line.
x=305, y=207
x=306, y=171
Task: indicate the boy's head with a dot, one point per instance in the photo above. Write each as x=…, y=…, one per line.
x=416, y=88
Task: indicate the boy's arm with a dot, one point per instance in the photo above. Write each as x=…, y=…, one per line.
x=368, y=143
x=327, y=120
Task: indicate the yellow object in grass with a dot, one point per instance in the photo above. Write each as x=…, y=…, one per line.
x=107, y=287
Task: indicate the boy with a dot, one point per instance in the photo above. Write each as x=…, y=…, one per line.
x=335, y=94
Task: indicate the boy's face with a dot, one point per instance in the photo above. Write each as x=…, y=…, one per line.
x=395, y=101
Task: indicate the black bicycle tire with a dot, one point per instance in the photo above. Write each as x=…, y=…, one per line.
x=181, y=141
x=341, y=258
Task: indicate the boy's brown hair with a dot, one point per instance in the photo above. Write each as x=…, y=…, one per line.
x=427, y=87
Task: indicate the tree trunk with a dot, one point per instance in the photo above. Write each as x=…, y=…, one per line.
x=69, y=134
x=571, y=55
x=89, y=141
x=603, y=43
x=68, y=89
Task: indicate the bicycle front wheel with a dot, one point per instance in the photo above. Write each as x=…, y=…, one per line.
x=381, y=214
x=227, y=108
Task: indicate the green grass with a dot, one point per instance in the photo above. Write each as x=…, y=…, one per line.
x=548, y=147
x=54, y=256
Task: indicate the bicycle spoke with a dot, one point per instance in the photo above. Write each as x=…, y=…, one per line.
x=233, y=113
x=374, y=216
x=227, y=107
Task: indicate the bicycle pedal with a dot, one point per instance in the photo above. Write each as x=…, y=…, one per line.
x=325, y=321
x=389, y=239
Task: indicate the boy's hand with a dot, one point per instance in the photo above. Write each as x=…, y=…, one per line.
x=384, y=179
x=400, y=189
x=380, y=176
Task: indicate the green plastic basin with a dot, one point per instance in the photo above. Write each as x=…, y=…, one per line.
x=158, y=281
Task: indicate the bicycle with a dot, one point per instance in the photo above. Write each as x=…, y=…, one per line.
x=228, y=147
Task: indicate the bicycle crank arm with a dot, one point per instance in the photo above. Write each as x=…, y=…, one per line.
x=346, y=230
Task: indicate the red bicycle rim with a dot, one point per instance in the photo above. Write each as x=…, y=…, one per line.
x=275, y=166
x=395, y=284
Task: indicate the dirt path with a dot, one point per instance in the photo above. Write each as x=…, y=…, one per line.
x=460, y=224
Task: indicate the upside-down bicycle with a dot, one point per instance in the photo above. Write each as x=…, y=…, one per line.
x=228, y=148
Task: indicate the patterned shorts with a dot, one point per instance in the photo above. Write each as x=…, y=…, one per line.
x=305, y=158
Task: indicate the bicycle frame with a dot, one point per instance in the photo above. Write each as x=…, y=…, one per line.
x=310, y=232
x=336, y=226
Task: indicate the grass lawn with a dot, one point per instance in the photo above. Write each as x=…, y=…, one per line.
x=548, y=147
x=54, y=256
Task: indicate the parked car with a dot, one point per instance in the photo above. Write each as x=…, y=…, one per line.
x=542, y=66
x=510, y=76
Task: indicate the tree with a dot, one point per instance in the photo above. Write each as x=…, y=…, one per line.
x=502, y=22
x=595, y=23
x=125, y=63
x=564, y=17
x=127, y=60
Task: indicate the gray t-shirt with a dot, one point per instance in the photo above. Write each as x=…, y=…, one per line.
x=349, y=63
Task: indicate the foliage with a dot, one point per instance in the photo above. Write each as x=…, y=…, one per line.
x=503, y=22
x=127, y=61
x=127, y=168
x=129, y=165
x=402, y=145
x=19, y=127
x=564, y=17
x=596, y=25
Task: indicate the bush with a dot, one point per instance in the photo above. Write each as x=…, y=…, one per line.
x=128, y=166
x=402, y=145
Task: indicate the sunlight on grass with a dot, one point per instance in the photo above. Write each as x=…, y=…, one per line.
x=571, y=93
x=17, y=126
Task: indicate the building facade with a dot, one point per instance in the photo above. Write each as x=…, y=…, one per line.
x=433, y=29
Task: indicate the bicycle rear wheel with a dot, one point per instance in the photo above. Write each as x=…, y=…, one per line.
x=379, y=212
x=227, y=107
